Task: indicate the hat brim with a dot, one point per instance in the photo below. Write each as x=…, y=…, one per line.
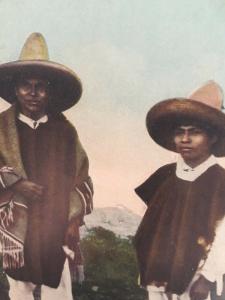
x=163, y=118
x=66, y=87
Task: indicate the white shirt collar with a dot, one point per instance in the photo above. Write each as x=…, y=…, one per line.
x=32, y=123
x=185, y=172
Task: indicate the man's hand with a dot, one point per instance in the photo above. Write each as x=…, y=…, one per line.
x=200, y=288
x=29, y=189
x=72, y=234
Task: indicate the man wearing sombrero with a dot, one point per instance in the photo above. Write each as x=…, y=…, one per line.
x=175, y=241
x=44, y=181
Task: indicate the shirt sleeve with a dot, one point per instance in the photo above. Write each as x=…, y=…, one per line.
x=214, y=266
x=81, y=198
x=85, y=191
x=147, y=189
x=81, y=202
x=8, y=178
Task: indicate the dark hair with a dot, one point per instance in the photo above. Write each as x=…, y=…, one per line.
x=210, y=130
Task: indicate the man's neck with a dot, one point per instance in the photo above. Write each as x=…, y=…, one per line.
x=189, y=173
x=34, y=124
x=193, y=164
x=34, y=116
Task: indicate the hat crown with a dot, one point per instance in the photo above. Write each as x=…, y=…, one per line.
x=35, y=48
x=210, y=94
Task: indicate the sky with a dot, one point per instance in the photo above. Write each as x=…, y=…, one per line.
x=129, y=55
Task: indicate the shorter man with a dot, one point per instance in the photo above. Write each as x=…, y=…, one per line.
x=185, y=200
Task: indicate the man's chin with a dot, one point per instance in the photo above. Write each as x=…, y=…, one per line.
x=188, y=158
x=187, y=155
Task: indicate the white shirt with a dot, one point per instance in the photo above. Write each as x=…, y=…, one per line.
x=188, y=173
x=214, y=267
x=32, y=123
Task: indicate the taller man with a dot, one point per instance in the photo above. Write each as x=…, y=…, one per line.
x=46, y=189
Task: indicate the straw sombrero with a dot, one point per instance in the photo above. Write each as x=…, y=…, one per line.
x=34, y=60
x=202, y=107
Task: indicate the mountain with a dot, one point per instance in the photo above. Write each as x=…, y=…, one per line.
x=120, y=220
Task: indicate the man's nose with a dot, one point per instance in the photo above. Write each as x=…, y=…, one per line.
x=33, y=90
x=185, y=137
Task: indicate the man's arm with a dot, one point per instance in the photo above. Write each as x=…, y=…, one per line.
x=214, y=267
x=28, y=189
x=147, y=189
x=81, y=203
x=81, y=196
x=200, y=288
x=10, y=180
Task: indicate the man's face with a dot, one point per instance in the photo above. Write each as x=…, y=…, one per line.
x=33, y=96
x=193, y=143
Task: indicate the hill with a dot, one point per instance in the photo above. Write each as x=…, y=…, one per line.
x=120, y=220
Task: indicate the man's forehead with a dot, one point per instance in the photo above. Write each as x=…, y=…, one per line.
x=32, y=79
x=188, y=127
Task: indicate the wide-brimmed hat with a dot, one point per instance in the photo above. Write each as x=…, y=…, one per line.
x=203, y=107
x=34, y=60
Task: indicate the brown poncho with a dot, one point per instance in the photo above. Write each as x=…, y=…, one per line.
x=53, y=157
x=178, y=225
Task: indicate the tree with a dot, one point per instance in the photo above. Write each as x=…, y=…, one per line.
x=110, y=268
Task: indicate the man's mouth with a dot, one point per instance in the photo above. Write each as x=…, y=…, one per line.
x=185, y=149
x=34, y=102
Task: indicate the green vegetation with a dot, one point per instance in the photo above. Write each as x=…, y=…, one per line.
x=110, y=268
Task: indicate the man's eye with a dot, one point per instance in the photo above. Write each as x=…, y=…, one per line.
x=196, y=131
x=41, y=87
x=25, y=86
x=178, y=132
